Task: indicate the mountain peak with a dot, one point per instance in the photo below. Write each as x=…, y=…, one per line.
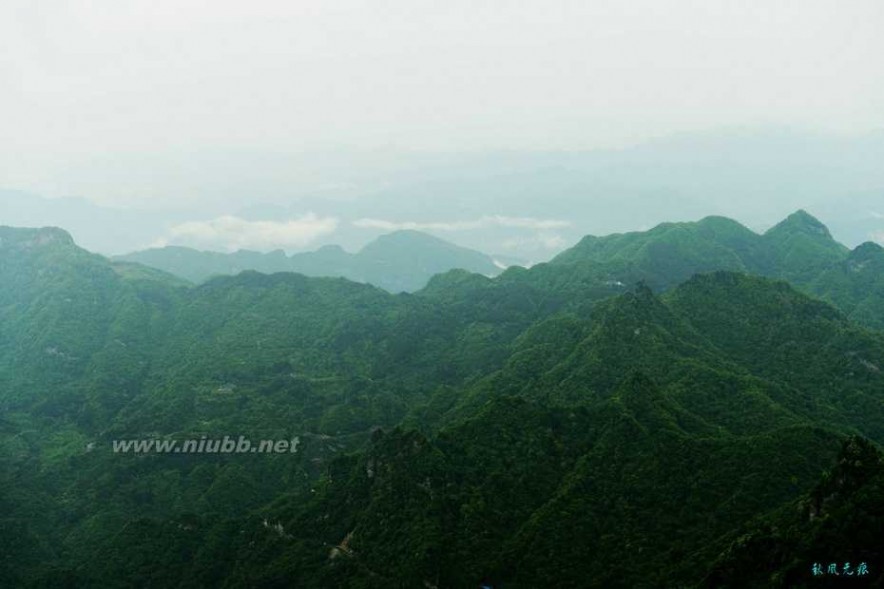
x=425, y=254
x=635, y=310
x=403, y=237
x=801, y=222
x=30, y=238
x=868, y=256
x=331, y=248
x=866, y=251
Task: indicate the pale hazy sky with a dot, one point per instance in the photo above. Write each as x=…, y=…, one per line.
x=110, y=99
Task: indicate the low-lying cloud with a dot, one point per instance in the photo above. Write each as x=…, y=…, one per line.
x=232, y=233
x=480, y=223
x=541, y=241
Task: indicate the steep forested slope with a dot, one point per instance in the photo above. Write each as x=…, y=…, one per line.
x=837, y=525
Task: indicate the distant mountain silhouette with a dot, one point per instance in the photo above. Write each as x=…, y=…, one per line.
x=399, y=261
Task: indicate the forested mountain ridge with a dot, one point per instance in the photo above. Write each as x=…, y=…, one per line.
x=799, y=249
x=543, y=428
x=400, y=261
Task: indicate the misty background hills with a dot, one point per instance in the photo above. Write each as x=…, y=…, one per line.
x=552, y=198
x=397, y=262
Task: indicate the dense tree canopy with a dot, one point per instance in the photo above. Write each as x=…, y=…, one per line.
x=668, y=408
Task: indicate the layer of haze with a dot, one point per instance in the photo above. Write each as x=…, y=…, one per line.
x=210, y=107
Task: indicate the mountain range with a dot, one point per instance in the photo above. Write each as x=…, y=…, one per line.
x=399, y=261
x=697, y=405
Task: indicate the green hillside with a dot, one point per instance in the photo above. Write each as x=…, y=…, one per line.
x=558, y=426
